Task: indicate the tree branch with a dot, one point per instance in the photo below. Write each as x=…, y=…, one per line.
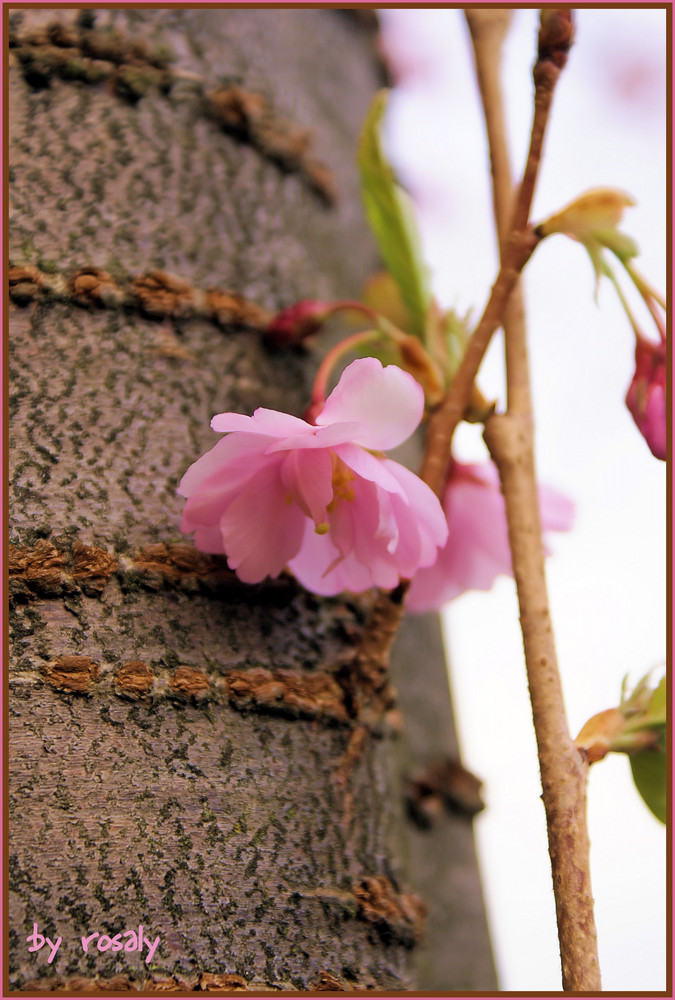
x=555, y=38
x=444, y=421
x=510, y=438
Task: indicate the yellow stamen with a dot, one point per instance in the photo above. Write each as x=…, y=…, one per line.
x=342, y=477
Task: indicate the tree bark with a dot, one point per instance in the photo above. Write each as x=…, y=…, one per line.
x=182, y=753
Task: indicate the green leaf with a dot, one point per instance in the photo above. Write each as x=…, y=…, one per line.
x=646, y=707
x=658, y=705
x=649, y=775
x=600, y=266
x=382, y=294
x=456, y=339
x=622, y=245
x=390, y=216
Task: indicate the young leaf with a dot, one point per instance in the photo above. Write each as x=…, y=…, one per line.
x=391, y=218
x=649, y=775
x=658, y=704
x=382, y=294
x=646, y=707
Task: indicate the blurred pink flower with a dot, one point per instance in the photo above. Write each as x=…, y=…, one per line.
x=278, y=491
x=646, y=397
x=477, y=550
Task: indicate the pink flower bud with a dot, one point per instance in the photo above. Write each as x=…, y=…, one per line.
x=646, y=396
x=293, y=325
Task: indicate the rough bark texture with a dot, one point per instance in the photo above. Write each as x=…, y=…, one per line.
x=182, y=756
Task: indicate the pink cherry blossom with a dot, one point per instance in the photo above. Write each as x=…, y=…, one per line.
x=646, y=397
x=319, y=498
x=477, y=550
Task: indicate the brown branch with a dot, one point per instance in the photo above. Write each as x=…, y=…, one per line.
x=554, y=41
x=488, y=28
x=444, y=421
x=510, y=438
x=563, y=772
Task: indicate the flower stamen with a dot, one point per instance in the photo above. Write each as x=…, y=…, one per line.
x=342, y=477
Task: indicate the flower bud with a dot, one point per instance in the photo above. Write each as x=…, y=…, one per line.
x=599, y=733
x=646, y=396
x=592, y=216
x=556, y=34
x=294, y=324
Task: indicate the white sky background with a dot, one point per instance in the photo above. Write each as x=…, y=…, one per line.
x=607, y=577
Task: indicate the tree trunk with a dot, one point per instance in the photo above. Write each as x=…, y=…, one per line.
x=183, y=757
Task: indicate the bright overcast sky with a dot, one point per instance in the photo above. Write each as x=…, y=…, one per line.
x=607, y=577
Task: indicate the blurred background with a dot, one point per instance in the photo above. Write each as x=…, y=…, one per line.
x=607, y=578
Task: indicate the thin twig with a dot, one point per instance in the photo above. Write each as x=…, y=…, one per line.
x=488, y=28
x=510, y=439
x=516, y=251
x=445, y=419
x=563, y=773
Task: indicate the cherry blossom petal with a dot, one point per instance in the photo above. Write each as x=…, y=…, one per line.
x=556, y=510
x=207, y=539
x=432, y=587
x=311, y=567
x=360, y=521
x=220, y=458
x=367, y=466
x=321, y=437
x=355, y=555
x=387, y=401
x=366, y=529
x=407, y=553
x=207, y=504
x=318, y=572
x=261, y=531
x=263, y=421
x=387, y=532
x=425, y=508
x=307, y=477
